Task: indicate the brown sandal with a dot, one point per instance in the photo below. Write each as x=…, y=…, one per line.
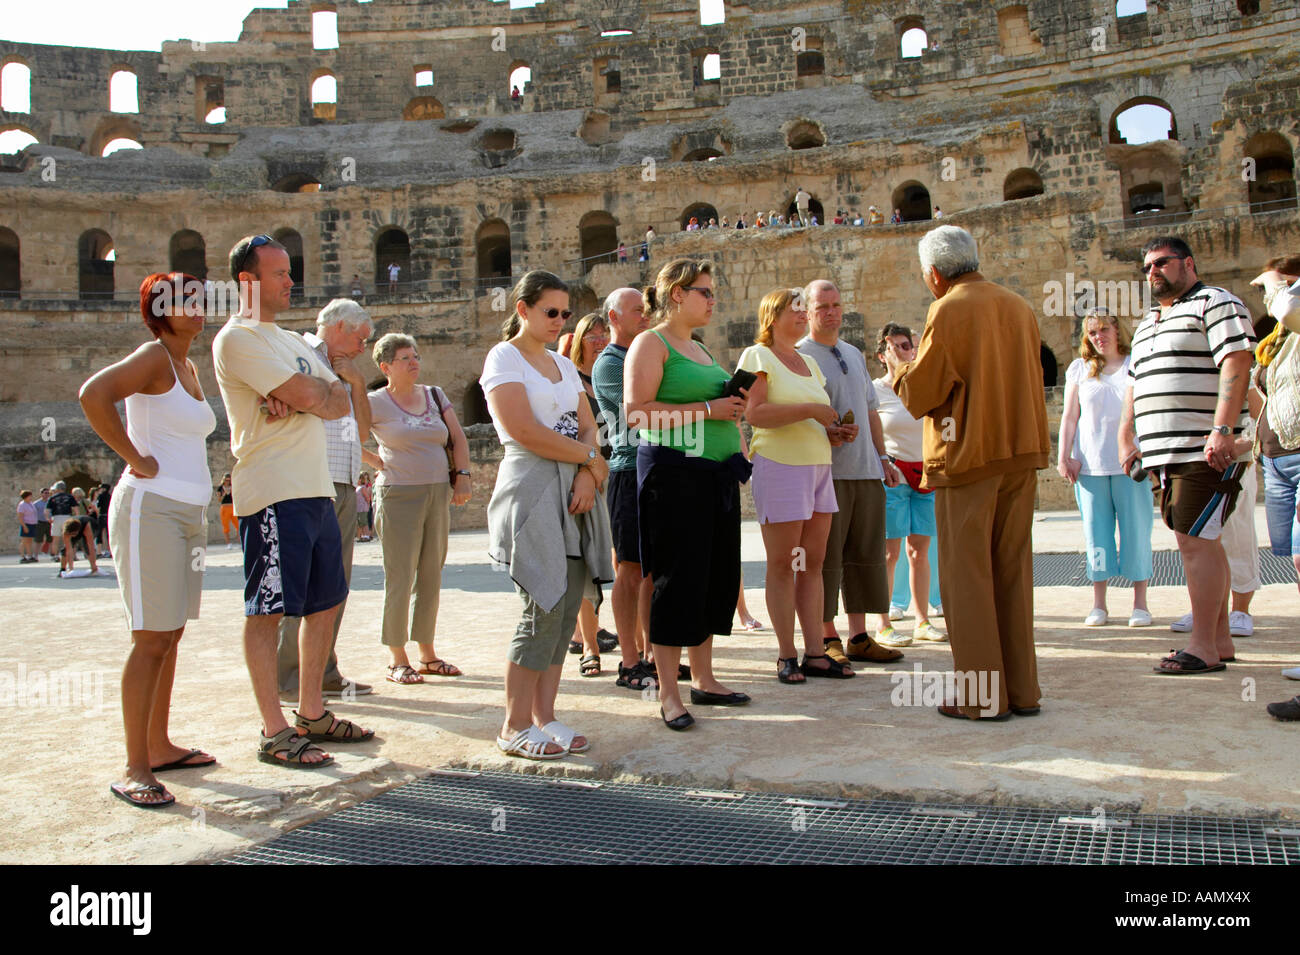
x=403, y=675
x=439, y=668
x=326, y=728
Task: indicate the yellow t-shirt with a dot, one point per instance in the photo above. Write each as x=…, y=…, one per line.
x=803, y=442
x=276, y=460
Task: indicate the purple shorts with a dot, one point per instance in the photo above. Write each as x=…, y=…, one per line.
x=791, y=492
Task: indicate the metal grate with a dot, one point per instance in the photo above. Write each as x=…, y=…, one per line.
x=1071, y=570
x=456, y=817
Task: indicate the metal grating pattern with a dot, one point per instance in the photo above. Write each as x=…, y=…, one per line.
x=455, y=817
x=1071, y=570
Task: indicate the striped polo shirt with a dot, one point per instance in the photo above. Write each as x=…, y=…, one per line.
x=1175, y=372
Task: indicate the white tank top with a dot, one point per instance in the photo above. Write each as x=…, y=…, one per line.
x=173, y=429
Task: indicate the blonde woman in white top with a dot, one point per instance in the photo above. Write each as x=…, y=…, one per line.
x=157, y=518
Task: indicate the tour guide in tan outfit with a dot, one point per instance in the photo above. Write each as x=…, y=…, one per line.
x=977, y=381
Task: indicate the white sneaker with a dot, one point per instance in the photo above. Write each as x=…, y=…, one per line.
x=1097, y=618
x=937, y=611
x=1241, y=624
x=889, y=637
x=1183, y=624
x=897, y=613
x=1292, y=674
x=929, y=633
x=1140, y=618
x=229, y=546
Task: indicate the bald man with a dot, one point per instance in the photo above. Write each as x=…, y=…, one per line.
x=625, y=312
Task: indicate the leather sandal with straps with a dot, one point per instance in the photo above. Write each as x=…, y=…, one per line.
x=530, y=744
x=293, y=746
x=326, y=729
x=403, y=674
x=438, y=667
x=788, y=670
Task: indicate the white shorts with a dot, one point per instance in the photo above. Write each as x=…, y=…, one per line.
x=159, y=547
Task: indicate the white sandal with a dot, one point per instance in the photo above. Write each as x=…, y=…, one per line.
x=530, y=744
x=565, y=735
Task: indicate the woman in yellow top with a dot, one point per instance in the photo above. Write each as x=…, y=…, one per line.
x=794, y=429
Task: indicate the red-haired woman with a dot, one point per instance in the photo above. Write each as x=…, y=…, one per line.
x=157, y=518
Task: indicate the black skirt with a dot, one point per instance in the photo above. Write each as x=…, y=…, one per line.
x=689, y=516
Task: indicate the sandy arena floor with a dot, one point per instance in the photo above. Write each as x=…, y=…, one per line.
x=1111, y=734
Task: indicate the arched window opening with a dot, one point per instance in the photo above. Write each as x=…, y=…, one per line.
x=702, y=212
x=297, y=182
x=913, y=43
x=476, y=406
x=95, y=260
x=1050, y=368
x=1130, y=8
x=116, y=145
x=1273, y=185
x=805, y=135
x=188, y=253
x=492, y=250
x=1146, y=199
x=210, y=100
x=598, y=239
x=706, y=67
x=702, y=155
x=424, y=76
x=292, y=242
x=15, y=140
x=324, y=95
x=16, y=88
x=1142, y=120
x=520, y=79
x=814, y=210
x=713, y=11
x=913, y=200
x=1022, y=184
x=10, y=264
x=392, y=248
x=122, y=93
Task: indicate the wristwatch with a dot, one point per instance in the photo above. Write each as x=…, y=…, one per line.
x=889, y=457
x=592, y=454
x=1223, y=429
x=466, y=473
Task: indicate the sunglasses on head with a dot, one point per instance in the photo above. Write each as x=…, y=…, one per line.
x=253, y=243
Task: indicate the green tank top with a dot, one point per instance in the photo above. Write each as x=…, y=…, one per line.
x=686, y=382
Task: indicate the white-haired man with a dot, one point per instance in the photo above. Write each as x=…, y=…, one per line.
x=977, y=380
x=860, y=470
x=342, y=329
x=625, y=312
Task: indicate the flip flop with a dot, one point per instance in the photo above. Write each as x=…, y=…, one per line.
x=125, y=792
x=1174, y=653
x=183, y=762
x=1185, y=663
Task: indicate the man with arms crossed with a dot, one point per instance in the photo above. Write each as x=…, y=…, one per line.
x=1186, y=405
x=284, y=498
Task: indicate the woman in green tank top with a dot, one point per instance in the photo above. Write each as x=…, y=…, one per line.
x=688, y=493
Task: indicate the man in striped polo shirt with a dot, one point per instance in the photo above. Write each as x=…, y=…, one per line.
x=1185, y=406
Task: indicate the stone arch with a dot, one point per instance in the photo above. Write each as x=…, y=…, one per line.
x=392, y=247
x=1273, y=187
x=913, y=200
x=814, y=209
x=297, y=182
x=1022, y=183
x=95, y=261
x=706, y=66
x=11, y=281
x=702, y=211
x=187, y=252
x=913, y=40
x=520, y=76
x=805, y=134
x=292, y=242
x=1146, y=198
x=1115, y=136
x=324, y=94
x=15, y=138
x=123, y=90
x=597, y=238
x=15, y=86
x=492, y=251
x=423, y=107
x=111, y=128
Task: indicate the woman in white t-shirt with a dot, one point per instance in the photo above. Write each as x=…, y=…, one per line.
x=1088, y=459
x=548, y=480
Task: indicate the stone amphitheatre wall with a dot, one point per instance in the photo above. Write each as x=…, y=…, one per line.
x=605, y=141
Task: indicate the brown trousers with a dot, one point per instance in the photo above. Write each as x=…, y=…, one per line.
x=986, y=574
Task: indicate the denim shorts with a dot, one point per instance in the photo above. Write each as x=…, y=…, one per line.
x=1281, y=477
x=908, y=512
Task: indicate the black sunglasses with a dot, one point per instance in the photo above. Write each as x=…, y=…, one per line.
x=253, y=243
x=1160, y=263
x=552, y=312
x=840, y=358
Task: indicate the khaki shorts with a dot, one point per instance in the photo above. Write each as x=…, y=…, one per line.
x=159, y=546
x=1197, y=499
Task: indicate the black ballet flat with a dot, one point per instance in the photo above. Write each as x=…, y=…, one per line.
x=704, y=698
x=683, y=722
